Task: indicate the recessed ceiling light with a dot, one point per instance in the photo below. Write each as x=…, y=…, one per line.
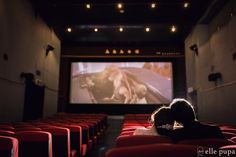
x=147, y=29
x=153, y=5
x=69, y=29
x=119, y=5
x=173, y=29
x=88, y=6
x=121, y=29
x=95, y=29
x=186, y=5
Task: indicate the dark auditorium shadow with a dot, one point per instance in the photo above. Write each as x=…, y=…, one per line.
x=108, y=141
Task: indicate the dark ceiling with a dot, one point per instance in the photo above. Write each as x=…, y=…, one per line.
x=104, y=15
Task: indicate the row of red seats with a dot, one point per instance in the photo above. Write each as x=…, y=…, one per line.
x=129, y=145
x=63, y=135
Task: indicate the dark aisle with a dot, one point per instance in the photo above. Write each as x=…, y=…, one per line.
x=108, y=141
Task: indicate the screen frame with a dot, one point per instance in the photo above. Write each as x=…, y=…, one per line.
x=179, y=85
x=112, y=60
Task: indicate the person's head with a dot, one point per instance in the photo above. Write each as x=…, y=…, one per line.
x=162, y=117
x=140, y=90
x=182, y=111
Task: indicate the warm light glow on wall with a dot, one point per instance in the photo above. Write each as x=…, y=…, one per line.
x=114, y=51
x=173, y=29
x=122, y=51
x=122, y=11
x=107, y=51
x=137, y=51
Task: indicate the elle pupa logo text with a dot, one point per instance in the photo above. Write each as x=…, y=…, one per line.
x=201, y=152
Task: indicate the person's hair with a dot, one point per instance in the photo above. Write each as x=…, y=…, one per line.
x=162, y=117
x=182, y=111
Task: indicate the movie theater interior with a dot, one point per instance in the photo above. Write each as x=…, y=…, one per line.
x=117, y=78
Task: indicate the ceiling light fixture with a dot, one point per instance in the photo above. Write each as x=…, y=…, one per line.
x=119, y=5
x=121, y=29
x=95, y=29
x=153, y=5
x=88, y=6
x=147, y=29
x=186, y=5
x=69, y=29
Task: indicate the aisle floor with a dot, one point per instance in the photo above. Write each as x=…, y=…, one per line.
x=108, y=141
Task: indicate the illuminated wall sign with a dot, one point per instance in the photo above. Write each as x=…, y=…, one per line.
x=138, y=52
x=122, y=51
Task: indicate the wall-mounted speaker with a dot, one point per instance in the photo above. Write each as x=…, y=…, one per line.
x=194, y=48
x=214, y=77
x=234, y=56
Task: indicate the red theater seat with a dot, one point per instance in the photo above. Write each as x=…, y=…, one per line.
x=75, y=138
x=8, y=146
x=27, y=129
x=129, y=133
x=22, y=125
x=124, y=141
x=154, y=150
x=229, y=135
x=213, y=143
x=6, y=133
x=7, y=127
x=228, y=130
x=60, y=140
x=233, y=139
x=34, y=144
x=229, y=147
x=228, y=151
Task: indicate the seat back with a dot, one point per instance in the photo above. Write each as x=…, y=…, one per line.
x=6, y=127
x=154, y=150
x=27, y=129
x=60, y=140
x=228, y=135
x=213, y=143
x=6, y=133
x=75, y=137
x=124, y=141
x=34, y=144
x=8, y=146
x=233, y=139
x=229, y=147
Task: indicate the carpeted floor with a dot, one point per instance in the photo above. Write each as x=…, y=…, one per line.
x=108, y=141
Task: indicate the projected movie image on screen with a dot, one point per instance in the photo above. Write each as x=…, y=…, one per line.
x=121, y=83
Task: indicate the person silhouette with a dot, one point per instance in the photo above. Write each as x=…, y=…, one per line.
x=184, y=114
x=160, y=118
